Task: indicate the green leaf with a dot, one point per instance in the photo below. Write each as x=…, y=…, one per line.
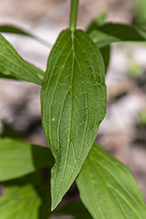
x=14, y=30
x=18, y=158
x=73, y=102
x=105, y=52
x=42, y=190
x=108, y=189
x=7, y=76
x=141, y=119
x=45, y=208
x=13, y=66
x=111, y=33
x=141, y=29
x=98, y=21
x=34, y=178
x=139, y=12
x=75, y=209
x=140, y=16
x=19, y=202
x=8, y=131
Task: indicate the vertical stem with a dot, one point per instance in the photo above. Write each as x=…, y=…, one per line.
x=73, y=14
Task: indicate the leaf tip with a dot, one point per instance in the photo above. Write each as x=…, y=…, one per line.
x=54, y=204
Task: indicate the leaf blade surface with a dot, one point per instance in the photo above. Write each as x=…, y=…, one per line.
x=112, y=32
x=108, y=189
x=18, y=158
x=73, y=102
x=105, y=52
x=14, y=30
x=14, y=67
x=19, y=202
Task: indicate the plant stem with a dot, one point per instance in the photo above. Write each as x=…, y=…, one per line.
x=73, y=14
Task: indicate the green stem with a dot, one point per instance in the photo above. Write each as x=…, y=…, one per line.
x=73, y=14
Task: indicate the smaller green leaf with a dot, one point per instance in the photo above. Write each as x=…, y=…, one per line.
x=141, y=29
x=75, y=209
x=44, y=194
x=105, y=52
x=14, y=30
x=108, y=189
x=19, y=202
x=18, y=158
x=34, y=178
x=8, y=77
x=8, y=131
x=12, y=66
x=98, y=21
x=111, y=33
x=141, y=120
x=42, y=188
x=139, y=12
x=140, y=16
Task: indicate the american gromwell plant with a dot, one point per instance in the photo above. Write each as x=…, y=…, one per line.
x=73, y=104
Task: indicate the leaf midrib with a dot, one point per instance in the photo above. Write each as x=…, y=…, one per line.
x=71, y=89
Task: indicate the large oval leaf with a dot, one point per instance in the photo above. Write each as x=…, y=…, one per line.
x=12, y=66
x=73, y=100
x=108, y=189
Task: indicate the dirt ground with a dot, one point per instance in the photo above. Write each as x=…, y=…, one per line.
x=32, y=11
